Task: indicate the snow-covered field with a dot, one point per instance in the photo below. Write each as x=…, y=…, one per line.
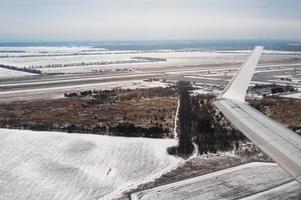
x=99, y=86
x=6, y=73
x=294, y=96
x=43, y=56
x=46, y=50
x=265, y=51
x=233, y=183
x=173, y=59
x=291, y=190
x=50, y=165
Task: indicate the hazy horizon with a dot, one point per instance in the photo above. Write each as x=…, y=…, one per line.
x=110, y=20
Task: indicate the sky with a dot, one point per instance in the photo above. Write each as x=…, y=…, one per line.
x=102, y=20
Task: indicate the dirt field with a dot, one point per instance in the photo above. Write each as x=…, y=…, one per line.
x=283, y=110
x=141, y=107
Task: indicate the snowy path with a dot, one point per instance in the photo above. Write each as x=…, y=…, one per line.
x=232, y=183
x=50, y=165
x=175, y=130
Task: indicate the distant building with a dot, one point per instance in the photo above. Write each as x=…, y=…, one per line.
x=266, y=89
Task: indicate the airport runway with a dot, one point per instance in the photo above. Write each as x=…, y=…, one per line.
x=54, y=86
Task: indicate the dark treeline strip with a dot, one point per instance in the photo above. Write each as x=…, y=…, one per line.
x=117, y=94
x=151, y=59
x=11, y=51
x=34, y=71
x=212, y=131
x=141, y=60
x=82, y=53
x=122, y=129
x=200, y=121
x=185, y=145
x=185, y=137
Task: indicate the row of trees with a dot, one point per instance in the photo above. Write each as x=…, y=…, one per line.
x=105, y=96
x=130, y=130
x=24, y=69
x=150, y=59
x=185, y=145
x=136, y=60
x=122, y=129
x=212, y=131
x=200, y=121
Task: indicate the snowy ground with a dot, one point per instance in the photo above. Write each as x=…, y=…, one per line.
x=233, y=183
x=294, y=96
x=135, y=84
x=43, y=56
x=49, y=165
x=6, y=73
x=173, y=59
x=286, y=191
x=46, y=50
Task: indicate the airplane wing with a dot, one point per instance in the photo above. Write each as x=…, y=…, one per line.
x=280, y=143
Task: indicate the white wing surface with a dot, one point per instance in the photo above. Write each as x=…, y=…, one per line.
x=280, y=143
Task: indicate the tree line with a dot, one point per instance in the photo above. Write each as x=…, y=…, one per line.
x=134, y=60
x=24, y=69
x=199, y=121
x=212, y=131
x=121, y=129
